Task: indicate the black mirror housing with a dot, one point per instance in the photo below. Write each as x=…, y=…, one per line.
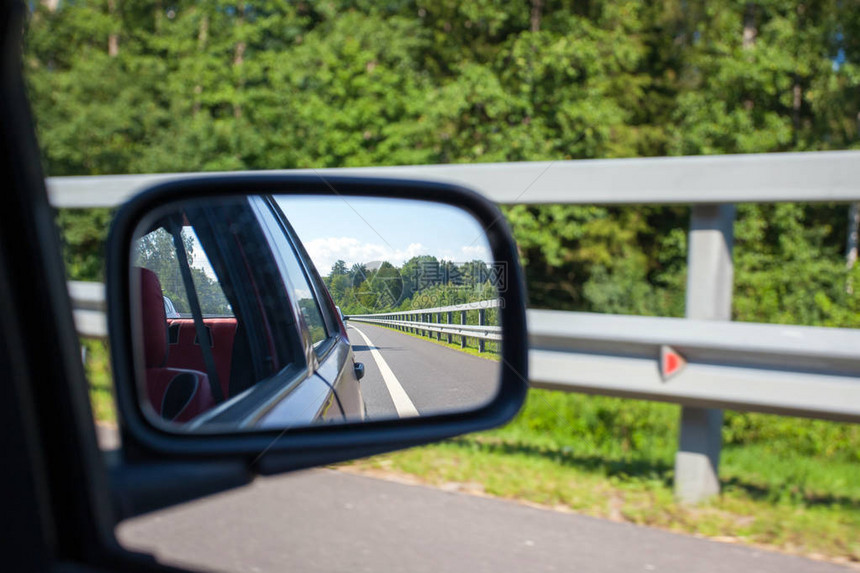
x=268, y=452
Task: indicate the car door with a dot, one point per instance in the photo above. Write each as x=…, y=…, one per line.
x=336, y=362
x=327, y=348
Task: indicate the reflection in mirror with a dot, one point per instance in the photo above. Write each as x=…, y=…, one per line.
x=273, y=312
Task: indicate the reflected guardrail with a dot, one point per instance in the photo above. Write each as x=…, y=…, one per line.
x=426, y=326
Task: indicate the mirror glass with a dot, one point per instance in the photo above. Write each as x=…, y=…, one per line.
x=272, y=312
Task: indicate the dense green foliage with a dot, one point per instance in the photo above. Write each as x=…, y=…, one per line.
x=196, y=85
x=421, y=282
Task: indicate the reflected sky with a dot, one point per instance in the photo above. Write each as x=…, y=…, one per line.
x=364, y=230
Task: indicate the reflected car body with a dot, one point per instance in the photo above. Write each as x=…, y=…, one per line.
x=279, y=354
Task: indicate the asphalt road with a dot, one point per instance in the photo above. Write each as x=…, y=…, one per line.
x=432, y=377
x=330, y=521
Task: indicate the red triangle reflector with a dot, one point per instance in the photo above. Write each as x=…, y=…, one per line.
x=671, y=362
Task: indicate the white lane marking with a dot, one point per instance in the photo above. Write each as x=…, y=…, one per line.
x=402, y=403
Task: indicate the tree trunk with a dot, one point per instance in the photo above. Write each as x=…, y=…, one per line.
x=797, y=88
x=202, y=38
x=853, y=235
x=750, y=30
x=159, y=14
x=203, y=34
x=796, y=101
x=113, y=37
x=238, y=59
x=852, y=242
x=537, y=11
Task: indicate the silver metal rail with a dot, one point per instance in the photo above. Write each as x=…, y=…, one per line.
x=794, y=370
x=427, y=326
x=765, y=178
x=88, y=301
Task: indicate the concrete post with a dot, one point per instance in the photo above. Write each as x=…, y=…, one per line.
x=482, y=317
x=709, y=297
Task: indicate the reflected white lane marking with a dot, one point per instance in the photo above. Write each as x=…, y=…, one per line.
x=402, y=403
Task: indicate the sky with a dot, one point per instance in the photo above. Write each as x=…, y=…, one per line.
x=365, y=230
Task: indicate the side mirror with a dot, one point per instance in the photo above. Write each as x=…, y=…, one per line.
x=229, y=344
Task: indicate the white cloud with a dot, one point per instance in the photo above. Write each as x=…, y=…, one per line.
x=324, y=252
x=472, y=252
x=327, y=250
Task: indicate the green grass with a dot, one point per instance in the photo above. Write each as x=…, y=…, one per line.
x=97, y=368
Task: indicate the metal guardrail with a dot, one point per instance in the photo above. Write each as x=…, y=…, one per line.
x=780, y=369
x=770, y=368
x=712, y=179
x=88, y=301
x=427, y=327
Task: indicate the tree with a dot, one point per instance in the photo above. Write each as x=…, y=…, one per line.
x=198, y=85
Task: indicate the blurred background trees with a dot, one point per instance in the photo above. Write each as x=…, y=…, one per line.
x=196, y=85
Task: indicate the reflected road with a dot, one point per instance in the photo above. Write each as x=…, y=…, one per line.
x=428, y=376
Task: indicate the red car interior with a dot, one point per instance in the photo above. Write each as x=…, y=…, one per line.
x=184, y=348
x=178, y=394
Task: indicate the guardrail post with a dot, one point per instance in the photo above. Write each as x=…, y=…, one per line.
x=709, y=297
x=438, y=321
x=482, y=317
x=450, y=319
x=462, y=321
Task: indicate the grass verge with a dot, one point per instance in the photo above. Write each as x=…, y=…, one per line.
x=97, y=368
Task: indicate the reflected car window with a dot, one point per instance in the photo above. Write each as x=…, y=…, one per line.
x=294, y=275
